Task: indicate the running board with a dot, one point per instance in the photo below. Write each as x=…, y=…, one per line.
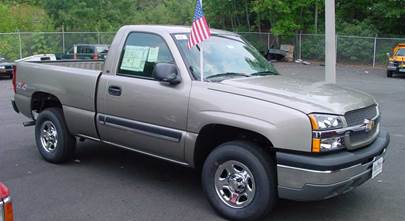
x=29, y=123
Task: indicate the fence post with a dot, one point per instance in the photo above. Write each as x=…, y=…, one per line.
x=63, y=39
x=98, y=37
x=300, y=45
x=268, y=41
x=375, y=50
x=19, y=40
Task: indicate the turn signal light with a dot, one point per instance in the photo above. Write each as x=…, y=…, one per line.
x=316, y=145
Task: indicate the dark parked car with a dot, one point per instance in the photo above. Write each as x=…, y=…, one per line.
x=6, y=67
x=86, y=52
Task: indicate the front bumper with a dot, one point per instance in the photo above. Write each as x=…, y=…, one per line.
x=308, y=177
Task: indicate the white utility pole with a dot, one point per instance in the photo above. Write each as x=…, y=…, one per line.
x=330, y=42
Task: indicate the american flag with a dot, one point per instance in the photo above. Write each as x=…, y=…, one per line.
x=200, y=30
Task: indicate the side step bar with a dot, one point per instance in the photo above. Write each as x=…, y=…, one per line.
x=29, y=123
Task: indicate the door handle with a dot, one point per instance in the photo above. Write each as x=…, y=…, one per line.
x=114, y=90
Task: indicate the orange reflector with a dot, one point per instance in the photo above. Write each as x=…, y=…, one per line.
x=314, y=122
x=316, y=145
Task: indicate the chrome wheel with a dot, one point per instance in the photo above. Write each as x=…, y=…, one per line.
x=49, y=136
x=235, y=184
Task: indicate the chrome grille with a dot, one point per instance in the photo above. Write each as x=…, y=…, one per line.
x=362, y=138
x=357, y=117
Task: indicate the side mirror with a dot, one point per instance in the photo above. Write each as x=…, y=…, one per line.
x=165, y=72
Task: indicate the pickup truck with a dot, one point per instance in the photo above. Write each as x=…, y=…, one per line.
x=255, y=135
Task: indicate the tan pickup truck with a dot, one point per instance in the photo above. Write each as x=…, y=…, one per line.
x=256, y=135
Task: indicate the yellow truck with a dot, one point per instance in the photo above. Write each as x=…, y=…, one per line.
x=396, y=60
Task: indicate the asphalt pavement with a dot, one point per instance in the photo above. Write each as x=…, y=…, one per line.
x=106, y=183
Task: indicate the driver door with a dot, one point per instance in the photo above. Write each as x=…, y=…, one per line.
x=137, y=112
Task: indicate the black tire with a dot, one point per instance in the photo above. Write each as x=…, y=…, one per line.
x=261, y=165
x=66, y=143
x=10, y=76
x=389, y=74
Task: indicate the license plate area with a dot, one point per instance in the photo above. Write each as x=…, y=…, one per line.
x=377, y=167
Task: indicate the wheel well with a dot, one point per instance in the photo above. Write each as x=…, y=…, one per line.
x=212, y=135
x=41, y=101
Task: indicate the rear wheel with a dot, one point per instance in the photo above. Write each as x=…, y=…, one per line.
x=239, y=180
x=389, y=74
x=54, y=142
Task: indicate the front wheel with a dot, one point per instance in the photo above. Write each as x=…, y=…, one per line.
x=239, y=180
x=54, y=142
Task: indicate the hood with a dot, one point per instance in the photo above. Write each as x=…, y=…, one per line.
x=398, y=58
x=302, y=95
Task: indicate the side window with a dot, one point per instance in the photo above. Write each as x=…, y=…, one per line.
x=140, y=54
x=81, y=49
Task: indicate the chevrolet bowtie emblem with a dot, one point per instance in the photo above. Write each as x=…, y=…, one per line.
x=369, y=124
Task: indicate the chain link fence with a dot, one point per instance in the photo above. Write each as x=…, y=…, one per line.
x=23, y=44
x=311, y=47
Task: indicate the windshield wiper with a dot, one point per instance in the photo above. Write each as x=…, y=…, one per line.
x=226, y=75
x=261, y=73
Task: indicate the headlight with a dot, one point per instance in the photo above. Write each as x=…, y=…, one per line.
x=324, y=136
x=326, y=122
x=2, y=67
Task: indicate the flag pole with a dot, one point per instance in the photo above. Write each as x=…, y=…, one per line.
x=202, y=61
x=201, y=55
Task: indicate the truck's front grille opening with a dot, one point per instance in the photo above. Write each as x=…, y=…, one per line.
x=357, y=117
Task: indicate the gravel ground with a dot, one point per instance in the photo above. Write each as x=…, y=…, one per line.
x=106, y=183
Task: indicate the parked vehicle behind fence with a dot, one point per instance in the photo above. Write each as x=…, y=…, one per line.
x=396, y=61
x=6, y=67
x=86, y=52
x=256, y=135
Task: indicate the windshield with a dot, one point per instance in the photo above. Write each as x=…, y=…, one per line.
x=401, y=52
x=224, y=57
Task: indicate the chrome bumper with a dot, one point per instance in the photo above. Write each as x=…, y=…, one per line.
x=307, y=178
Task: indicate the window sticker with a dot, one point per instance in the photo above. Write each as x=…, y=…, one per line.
x=134, y=58
x=153, y=54
x=181, y=37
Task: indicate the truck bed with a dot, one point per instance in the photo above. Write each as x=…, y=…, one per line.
x=73, y=83
x=82, y=64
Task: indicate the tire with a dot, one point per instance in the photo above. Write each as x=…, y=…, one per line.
x=389, y=74
x=10, y=76
x=246, y=158
x=63, y=143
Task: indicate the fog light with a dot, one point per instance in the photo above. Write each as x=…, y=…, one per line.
x=333, y=143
